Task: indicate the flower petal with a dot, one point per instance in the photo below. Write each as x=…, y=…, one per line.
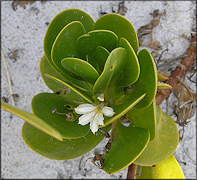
x=84, y=108
x=94, y=126
x=99, y=118
x=108, y=111
x=86, y=118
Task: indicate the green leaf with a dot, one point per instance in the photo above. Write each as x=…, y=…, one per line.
x=128, y=144
x=79, y=92
x=46, y=68
x=33, y=120
x=114, y=64
x=93, y=39
x=88, y=43
x=80, y=68
x=42, y=106
x=102, y=55
x=49, y=147
x=164, y=144
x=144, y=118
x=65, y=44
x=168, y=169
x=122, y=109
x=147, y=81
x=59, y=22
x=120, y=26
x=131, y=71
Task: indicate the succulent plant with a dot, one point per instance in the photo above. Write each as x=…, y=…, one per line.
x=100, y=82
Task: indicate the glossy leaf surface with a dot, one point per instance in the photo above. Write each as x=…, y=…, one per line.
x=33, y=120
x=88, y=42
x=49, y=147
x=147, y=81
x=144, y=118
x=42, y=106
x=102, y=55
x=168, y=169
x=59, y=22
x=114, y=64
x=46, y=68
x=122, y=109
x=80, y=68
x=65, y=43
x=131, y=71
x=164, y=144
x=79, y=92
x=128, y=144
x=120, y=26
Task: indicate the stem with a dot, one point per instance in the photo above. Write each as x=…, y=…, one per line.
x=131, y=171
x=179, y=71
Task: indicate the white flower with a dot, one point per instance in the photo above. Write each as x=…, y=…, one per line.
x=93, y=115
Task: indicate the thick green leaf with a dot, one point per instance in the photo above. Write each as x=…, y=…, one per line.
x=65, y=44
x=88, y=43
x=46, y=68
x=120, y=26
x=115, y=62
x=168, y=169
x=93, y=39
x=59, y=22
x=144, y=118
x=80, y=68
x=128, y=144
x=42, y=106
x=164, y=144
x=49, y=147
x=33, y=120
x=79, y=92
x=102, y=55
x=122, y=109
x=147, y=81
x=131, y=71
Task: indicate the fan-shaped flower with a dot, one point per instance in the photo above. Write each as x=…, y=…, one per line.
x=93, y=115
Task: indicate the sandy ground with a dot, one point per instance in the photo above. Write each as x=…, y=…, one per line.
x=24, y=29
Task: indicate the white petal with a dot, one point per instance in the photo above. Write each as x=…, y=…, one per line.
x=108, y=111
x=84, y=108
x=94, y=126
x=101, y=97
x=86, y=118
x=99, y=118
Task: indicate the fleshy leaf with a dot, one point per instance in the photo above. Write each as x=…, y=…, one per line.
x=88, y=43
x=65, y=44
x=43, y=105
x=115, y=62
x=33, y=120
x=131, y=71
x=80, y=68
x=147, y=81
x=79, y=92
x=168, y=169
x=122, y=109
x=120, y=26
x=164, y=144
x=144, y=118
x=59, y=22
x=46, y=68
x=102, y=55
x=128, y=144
x=51, y=148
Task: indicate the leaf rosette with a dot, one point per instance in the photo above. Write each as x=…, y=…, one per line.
x=82, y=60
